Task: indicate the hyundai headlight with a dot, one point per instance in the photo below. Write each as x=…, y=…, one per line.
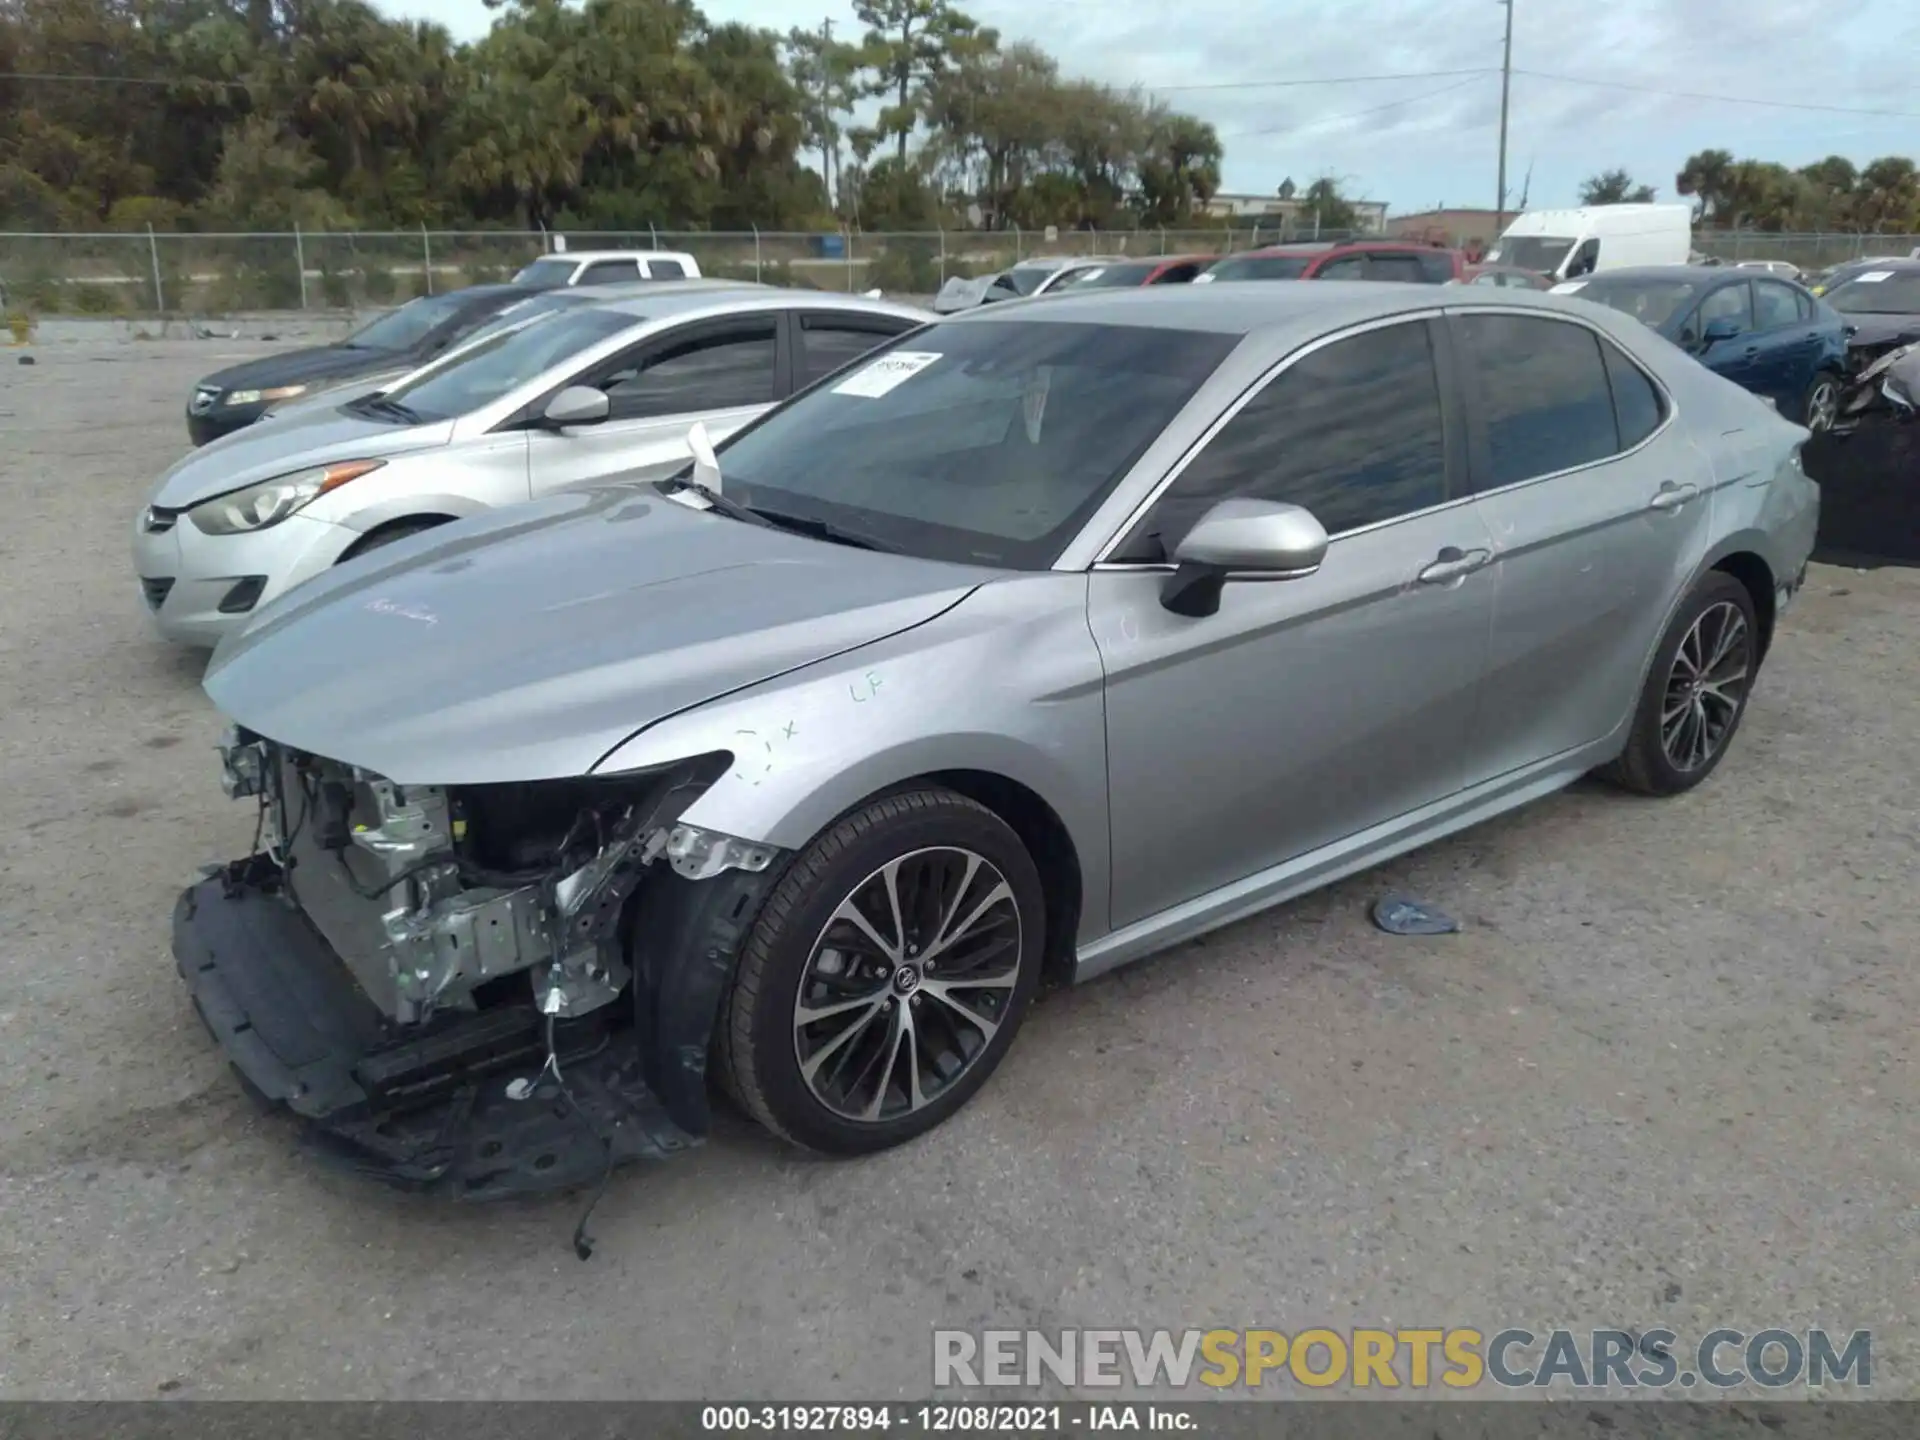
x=254, y=397
x=271, y=501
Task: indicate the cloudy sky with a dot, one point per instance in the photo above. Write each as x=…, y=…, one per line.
x=1431, y=138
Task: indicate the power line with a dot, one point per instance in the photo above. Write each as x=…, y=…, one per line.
x=1321, y=80
x=1716, y=99
x=1360, y=114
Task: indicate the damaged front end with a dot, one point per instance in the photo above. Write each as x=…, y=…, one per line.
x=487, y=990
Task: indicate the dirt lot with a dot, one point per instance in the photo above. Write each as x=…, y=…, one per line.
x=1665, y=1077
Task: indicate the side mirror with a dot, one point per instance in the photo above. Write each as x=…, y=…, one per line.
x=577, y=405
x=1719, y=330
x=1245, y=539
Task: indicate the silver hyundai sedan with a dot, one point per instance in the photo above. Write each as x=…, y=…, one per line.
x=570, y=397
x=1051, y=635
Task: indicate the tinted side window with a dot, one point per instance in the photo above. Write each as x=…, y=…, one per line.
x=829, y=344
x=1347, y=267
x=1406, y=268
x=1437, y=267
x=609, y=272
x=666, y=270
x=1637, y=404
x=1729, y=302
x=1352, y=432
x=1544, y=393
x=713, y=371
x=1774, y=305
x=1176, y=275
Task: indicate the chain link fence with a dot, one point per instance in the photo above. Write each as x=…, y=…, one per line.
x=1808, y=252
x=221, y=274
x=146, y=274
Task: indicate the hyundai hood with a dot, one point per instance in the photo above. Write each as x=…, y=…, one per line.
x=525, y=644
x=292, y=442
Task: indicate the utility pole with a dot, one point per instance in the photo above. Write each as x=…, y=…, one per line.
x=829, y=144
x=1506, y=86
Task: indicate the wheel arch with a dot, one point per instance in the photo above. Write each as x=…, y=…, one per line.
x=1756, y=575
x=388, y=529
x=1047, y=840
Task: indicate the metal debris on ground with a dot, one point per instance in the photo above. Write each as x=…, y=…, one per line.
x=1397, y=915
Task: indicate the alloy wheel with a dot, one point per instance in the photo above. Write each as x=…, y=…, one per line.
x=1705, y=686
x=1823, y=405
x=907, y=983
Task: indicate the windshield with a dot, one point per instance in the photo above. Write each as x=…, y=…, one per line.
x=1653, y=302
x=1534, y=252
x=1025, y=279
x=491, y=368
x=1110, y=277
x=545, y=272
x=1877, y=292
x=980, y=443
x=1262, y=267
x=406, y=327
x=521, y=311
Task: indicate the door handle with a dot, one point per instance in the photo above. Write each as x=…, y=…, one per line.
x=1671, y=496
x=1452, y=563
x=1752, y=350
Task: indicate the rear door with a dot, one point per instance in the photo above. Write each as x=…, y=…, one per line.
x=719, y=372
x=1599, y=512
x=1789, y=346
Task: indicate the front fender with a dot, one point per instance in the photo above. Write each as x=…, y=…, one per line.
x=1008, y=682
x=407, y=507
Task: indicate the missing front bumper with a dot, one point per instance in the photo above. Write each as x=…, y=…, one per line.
x=424, y=1108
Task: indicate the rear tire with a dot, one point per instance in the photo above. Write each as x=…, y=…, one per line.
x=908, y=1019
x=1695, y=692
x=1820, y=406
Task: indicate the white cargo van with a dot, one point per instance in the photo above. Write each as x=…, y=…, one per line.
x=1566, y=244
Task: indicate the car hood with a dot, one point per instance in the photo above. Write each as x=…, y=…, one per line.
x=1879, y=330
x=525, y=644
x=962, y=293
x=302, y=367
x=286, y=444
x=332, y=393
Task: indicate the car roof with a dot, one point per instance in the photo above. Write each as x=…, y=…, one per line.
x=1897, y=265
x=612, y=255
x=662, y=300
x=1231, y=307
x=1698, y=274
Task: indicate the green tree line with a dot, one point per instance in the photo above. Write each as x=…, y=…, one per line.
x=1830, y=195
x=601, y=115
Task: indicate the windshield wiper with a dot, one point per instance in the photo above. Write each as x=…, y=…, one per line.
x=381, y=405
x=731, y=508
x=827, y=530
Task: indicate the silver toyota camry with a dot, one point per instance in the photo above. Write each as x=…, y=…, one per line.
x=1048, y=636
x=572, y=396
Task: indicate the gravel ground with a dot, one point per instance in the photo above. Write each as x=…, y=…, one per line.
x=1663, y=1077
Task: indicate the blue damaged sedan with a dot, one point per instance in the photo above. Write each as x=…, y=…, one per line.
x=1764, y=333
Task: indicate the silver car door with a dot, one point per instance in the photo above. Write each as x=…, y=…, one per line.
x=1304, y=710
x=719, y=372
x=1599, y=511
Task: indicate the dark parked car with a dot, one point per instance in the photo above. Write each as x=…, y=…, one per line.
x=1344, y=260
x=1765, y=334
x=1131, y=274
x=1881, y=306
x=231, y=399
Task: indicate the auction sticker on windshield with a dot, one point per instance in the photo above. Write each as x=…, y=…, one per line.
x=1874, y=277
x=884, y=374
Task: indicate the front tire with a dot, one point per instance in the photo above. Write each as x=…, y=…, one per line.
x=887, y=974
x=1695, y=693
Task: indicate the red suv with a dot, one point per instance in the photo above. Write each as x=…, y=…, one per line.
x=1344, y=260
